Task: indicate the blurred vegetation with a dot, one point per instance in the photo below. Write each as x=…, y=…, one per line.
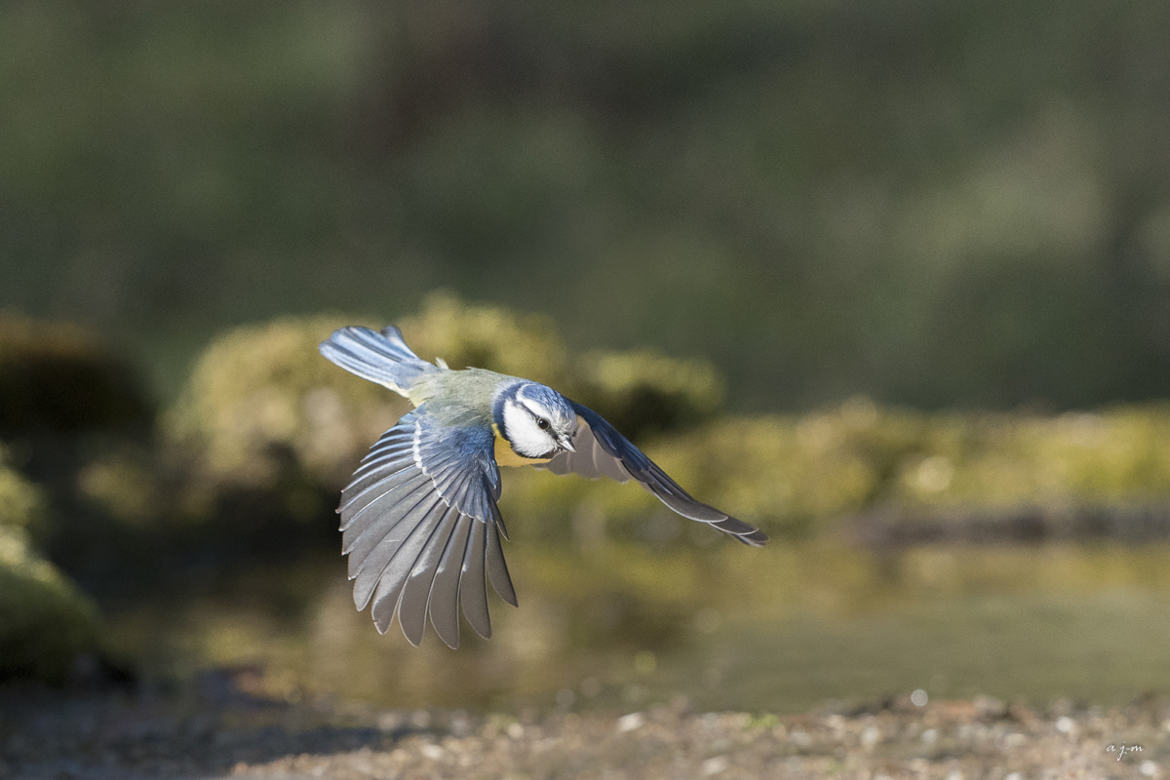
x=56, y=377
x=70, y=401
x=47, y=626
x=266, y=431
x=800, y=475
x=261, y=402
x=21, y=504
x=264, y=413
x=260, y=398
x=768, y=241
x=234, y=488
x=929, y=204
x=469, y=334
x=642, y=392
x=805, y=473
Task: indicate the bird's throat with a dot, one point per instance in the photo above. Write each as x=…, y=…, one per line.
x=506, y=456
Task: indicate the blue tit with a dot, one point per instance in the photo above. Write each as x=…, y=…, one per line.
x=419, y=520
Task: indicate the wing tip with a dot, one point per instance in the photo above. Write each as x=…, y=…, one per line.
x=482, y=631
x=451, y=642
x=755, y=538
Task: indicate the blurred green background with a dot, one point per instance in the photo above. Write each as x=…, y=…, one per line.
x=890, y=279
x=925, y=203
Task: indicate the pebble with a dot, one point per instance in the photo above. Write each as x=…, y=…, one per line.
x=714, y=766
x=635, y=720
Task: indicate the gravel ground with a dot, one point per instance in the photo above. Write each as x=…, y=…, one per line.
x=220, y=731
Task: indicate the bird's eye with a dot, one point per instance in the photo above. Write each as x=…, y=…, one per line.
x=542, y=423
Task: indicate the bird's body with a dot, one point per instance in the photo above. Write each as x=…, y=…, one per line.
x=419, y=519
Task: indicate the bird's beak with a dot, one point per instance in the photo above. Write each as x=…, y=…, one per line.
x=567, y=445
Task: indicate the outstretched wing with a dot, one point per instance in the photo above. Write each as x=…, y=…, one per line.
x=421, y=528
x=602, y=451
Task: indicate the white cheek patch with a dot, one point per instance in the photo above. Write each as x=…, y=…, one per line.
x=526, y=437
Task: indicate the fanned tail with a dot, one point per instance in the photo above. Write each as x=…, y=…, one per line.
x=379, y=357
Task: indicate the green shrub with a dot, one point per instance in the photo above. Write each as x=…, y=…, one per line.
x=638, y=391
x=794, y=475
x=643, y=392
x=21, y=504
x=45, y=622
x=265, y=412
x=467, y=334
x=799, y=473
x=261, y=400
x=263, y=409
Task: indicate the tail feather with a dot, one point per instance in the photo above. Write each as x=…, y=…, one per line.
x=379, y=357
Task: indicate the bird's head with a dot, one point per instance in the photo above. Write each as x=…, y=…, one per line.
x=536, y=420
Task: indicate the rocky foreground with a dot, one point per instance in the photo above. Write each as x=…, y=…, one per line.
x=225, y=733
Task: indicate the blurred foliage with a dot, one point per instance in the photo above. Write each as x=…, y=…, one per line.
x=241, y=480
x=803, y=474
x=469, y=334
x=643, y=392
x=931, y=204
x=265, y=412
x=794, y=472
x=266, y=431
x=263, y=409
x=57, y=377
x=128, y=483
x=261, y=399
x=46, y=624
x=21, y=505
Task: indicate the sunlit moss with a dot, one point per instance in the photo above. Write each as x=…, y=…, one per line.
x=265, y=411
x=1105, y=458
x=803, y=474
x=45, y=622
x=260, y=396
x=795, y=474
x=262, y=406
x=468, y=334
x=128, y=484
x=21, y=504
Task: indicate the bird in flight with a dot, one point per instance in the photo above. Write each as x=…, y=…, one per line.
x=419, y=520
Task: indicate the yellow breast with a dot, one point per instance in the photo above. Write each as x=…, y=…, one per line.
x=506, y=456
